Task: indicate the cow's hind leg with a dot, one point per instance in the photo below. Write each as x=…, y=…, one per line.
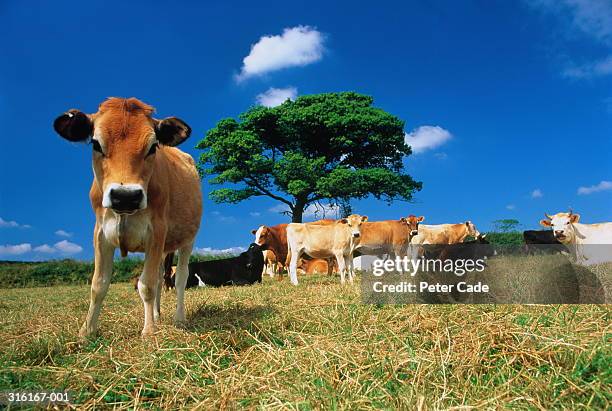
x=180, y=282
x=295, y=256
x=157, y=311
x=103, y=269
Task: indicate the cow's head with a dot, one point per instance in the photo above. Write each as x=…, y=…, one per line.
x=562, y=225
x=124, y=138
x=354, y=223
x=471, y=229
x=263, y=236
x=412, y=222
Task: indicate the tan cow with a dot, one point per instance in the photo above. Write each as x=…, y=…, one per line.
x=274, y=238
x=337, y=239
x=145, y=194
x=271, y=265
x=445, y=233
x=390, y=237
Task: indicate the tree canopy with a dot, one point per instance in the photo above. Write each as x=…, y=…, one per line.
x=325, y=147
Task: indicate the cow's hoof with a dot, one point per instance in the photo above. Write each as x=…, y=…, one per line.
x=148, y=332
x=86, y=332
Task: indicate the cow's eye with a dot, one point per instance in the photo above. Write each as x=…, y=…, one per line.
x=153, y=149
x=96, y=146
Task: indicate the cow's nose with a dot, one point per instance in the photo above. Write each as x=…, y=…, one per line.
x=356, y=235
x=414, y=232
x=558, y=233
x=126, y=199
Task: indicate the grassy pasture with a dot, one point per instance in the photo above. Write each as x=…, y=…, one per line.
x=314, y=346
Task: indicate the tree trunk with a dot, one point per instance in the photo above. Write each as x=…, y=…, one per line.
x=298, y=211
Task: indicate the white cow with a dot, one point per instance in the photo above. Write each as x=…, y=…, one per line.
x=590, y=243
x=337, y=239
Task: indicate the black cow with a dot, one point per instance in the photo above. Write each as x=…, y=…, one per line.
x=468, y=250
x=244, y=269
x=541, y=240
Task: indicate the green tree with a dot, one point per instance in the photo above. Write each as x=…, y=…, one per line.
x=506, y=225
x=325, y=147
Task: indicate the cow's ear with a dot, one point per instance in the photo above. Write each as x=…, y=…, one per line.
x=545, y=223
x=421, y=218
x=468, y=223
x=253, y=231
x=574, y=218
x=172, y=131
x=403, y=220
x=74, y=125
x=343, y=221
x=364, y=218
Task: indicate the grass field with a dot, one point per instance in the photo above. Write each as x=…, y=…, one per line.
x=314, y=346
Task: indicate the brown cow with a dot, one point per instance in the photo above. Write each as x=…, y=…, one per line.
x=317, y=266
x=146, y=196
x=391, y=237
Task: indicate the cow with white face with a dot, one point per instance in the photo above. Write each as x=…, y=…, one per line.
x=590, y=243
x=145, y=194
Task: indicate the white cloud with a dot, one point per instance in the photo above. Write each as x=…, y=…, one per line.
x=15, y=249
x=45, y=248
x=592, y=17
x=217, y=251
x=63, y=233
x=12, y=224
x=276, y=96
x=441, y=156
x=223, y=218
x=297, y=46
x=537, y=193
x=312, y=211
x=67, y=247
x=426, y=138
x=321, y=211
x=596, y=69
x=510, y=207
x=602, y=186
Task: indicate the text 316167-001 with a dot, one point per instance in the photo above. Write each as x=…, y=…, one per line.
x=34, y=397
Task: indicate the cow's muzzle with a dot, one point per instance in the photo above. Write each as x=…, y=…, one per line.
x=126, y=200
x=356, y=235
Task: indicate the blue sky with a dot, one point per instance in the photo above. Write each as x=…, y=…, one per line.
x=509, y=104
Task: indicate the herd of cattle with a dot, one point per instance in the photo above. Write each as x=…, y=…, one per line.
x=329, y=246
x=147, y=197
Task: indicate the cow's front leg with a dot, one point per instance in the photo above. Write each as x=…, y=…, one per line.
x=348, y=262
x=341, y=266
x=149, y=279
x=103, y=269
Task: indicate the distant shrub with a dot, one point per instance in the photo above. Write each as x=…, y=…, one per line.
x=48, y=273
x=507, y=238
